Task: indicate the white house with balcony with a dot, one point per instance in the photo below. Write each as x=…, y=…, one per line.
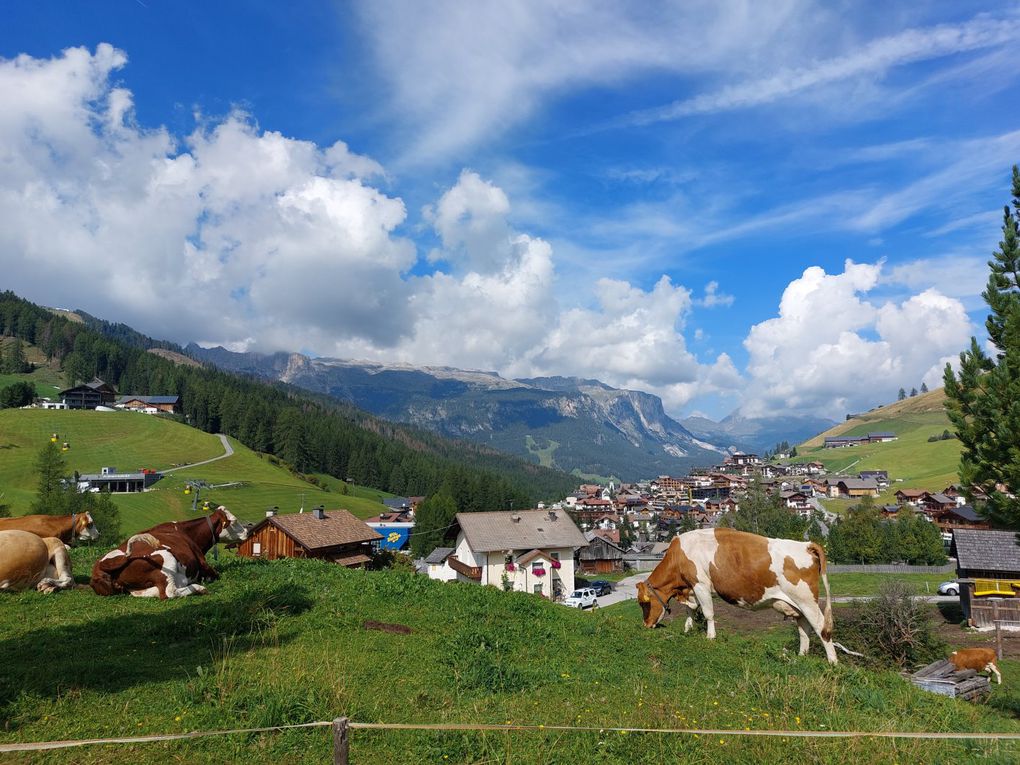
x=526, y=550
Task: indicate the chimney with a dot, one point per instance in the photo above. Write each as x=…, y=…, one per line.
x=272, y=511
x=319, y=513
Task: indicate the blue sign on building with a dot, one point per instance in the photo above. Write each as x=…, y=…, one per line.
x=393, y=537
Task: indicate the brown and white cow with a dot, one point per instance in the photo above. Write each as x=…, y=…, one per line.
x=66, y=528
x=746, y=570
x=28, y=561
x=980, y=659
x=168, y=560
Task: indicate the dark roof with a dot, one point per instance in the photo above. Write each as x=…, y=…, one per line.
x=438, y=555
x=882, y=434
x=150, y=399
x=874, y=473
x=942, y=499
x=987, y=550
x=966, y=512
x=339, y=527
x=859, y=483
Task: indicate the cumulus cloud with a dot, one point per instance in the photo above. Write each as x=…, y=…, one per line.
x=830, y=350
x=247, y=238
x=713, y=297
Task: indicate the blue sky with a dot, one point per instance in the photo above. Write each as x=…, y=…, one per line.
x=777, y=207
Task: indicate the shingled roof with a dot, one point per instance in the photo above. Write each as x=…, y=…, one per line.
x=337, y=527
x=986, y=550
x=514, y=530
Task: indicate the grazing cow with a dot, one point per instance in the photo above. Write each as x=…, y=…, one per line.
x=980, y=659
x=746, y=570
x=168, y=560
x=66, y=528
x=28, y=562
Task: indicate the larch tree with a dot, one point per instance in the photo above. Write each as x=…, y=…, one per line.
x=983, y=396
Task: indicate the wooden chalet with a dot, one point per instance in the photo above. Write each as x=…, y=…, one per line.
x=333, y=535
x=988, y=572
x=153, y=404
x=601, y=556
x=89, y=395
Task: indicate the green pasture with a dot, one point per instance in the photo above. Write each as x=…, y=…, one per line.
x=48, y=382
x=912, y=461
x=864, y=585
x=130, y=441
x=286, y=642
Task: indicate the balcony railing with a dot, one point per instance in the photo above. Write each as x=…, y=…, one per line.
x=471, y=572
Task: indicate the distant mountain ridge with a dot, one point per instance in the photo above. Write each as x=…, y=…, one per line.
x=573, y=424
x=756, y=434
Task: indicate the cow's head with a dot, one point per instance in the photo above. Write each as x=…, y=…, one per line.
x=232, y=530
x=652, y=607
x=85, y=528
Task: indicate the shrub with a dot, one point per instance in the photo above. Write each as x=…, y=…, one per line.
x=897, y=627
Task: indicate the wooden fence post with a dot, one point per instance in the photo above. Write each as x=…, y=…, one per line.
x=998, y=640
x=341, y=744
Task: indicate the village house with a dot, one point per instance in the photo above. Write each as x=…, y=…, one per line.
x=601, y=556
x=527, y=550
x=89, y=395
x=857, y=487
x=394, y=527
x=333, y=535
x=910, y=496
x=987, y=567
x=960, y=517
x=933, y=504
x=881, y=477
x=150, y=404
x=795, y=500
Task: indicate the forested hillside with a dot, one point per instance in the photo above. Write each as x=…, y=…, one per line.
x=312, y=434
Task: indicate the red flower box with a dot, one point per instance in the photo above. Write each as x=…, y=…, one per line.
x=555, y=564
x=538, y=571
x=510, y=567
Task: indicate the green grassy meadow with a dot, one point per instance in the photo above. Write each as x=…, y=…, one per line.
x=130, y=441
x=285, y=642
x=912, y=461
x=861, y=585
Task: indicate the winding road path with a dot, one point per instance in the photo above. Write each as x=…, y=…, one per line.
x=228, y=450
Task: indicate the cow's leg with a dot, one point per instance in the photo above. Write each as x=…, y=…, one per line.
x=691, y=605
x=703, y=594
x=805, y=641
x=816, y=619
x=148, y=592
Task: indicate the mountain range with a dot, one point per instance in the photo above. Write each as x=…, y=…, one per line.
x=577, y=425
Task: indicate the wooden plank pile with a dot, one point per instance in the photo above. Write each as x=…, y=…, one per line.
x=943, y=678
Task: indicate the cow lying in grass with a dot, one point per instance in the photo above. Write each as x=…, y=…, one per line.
x=979, y=659
x=28, y=561
x=168, y=560
x=746, y=570
x=66, y=528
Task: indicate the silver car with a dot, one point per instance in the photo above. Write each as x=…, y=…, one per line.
x=949, y=588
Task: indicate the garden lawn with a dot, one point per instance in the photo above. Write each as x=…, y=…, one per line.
x=284, y=642
x=861, y=585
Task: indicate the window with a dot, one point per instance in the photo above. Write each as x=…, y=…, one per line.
x=537, y=589
x=536, y=566
x=555, y=555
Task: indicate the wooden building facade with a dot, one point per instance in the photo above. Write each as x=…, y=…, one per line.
x=600, y=556
x=333, y=535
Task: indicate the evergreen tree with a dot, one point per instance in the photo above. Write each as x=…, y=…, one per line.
x=50, y=496
x=432, y=521
x=983, y=397
x=924, y=387
x=17, y=395
x=765, y=514
x=902, y=395
x=913, y=392
x=13, y=361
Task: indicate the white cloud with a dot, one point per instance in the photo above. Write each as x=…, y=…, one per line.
x=830, y=351
x=713, y=297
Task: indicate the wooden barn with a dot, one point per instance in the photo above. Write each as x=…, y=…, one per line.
x=333, y=535
x=89, y=395
x=601, y=556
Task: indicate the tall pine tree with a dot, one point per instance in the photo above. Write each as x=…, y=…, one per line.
x=983, y=398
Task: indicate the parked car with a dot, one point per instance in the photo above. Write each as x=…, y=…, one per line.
x=601, y=587
x=585, y=598
x=949, y=588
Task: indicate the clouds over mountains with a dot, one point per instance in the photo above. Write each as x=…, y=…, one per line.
x=240, y=236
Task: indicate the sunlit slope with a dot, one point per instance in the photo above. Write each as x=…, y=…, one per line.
x=920, y=463
x=246, y=482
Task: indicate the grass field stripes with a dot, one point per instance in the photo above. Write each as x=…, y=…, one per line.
x=37, y=746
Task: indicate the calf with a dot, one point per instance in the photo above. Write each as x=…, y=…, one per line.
x=980, y=659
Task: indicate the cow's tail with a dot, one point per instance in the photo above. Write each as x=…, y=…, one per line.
x=819, y=552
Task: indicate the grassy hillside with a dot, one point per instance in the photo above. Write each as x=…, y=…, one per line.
x=130, y=441
x=912, y=461
x=285, y=642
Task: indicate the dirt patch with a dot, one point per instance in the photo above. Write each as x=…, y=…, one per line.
x=396, y=629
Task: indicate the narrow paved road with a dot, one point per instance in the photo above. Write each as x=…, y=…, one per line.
x=227, y=451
